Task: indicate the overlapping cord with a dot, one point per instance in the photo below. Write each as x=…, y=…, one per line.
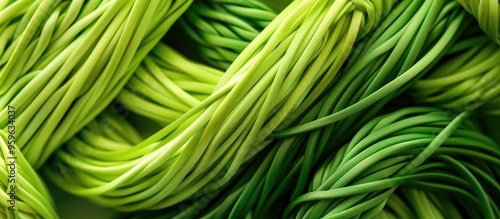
x=468, y=78
x=285, y=169
x=63, y=62
x=167, y=85
x=421, y=30
x=411, y=202
x=23, y=193
x=221, y=29
x=422, y=148
x=487, y=13
x=304, y=46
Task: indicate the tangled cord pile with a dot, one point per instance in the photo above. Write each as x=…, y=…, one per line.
x=223, y=131
x=289, y=163
x=294, y=114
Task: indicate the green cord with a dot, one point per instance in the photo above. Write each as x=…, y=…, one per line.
x=165, y=85
x=345, y=191
x=69, y=60
x=229, y=127
x=466, y=80
x=222, y=29
x=23, y=192
x=486, y=13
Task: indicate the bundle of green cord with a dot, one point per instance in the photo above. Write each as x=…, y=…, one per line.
x=327, y=109
x=410, y=44
x=167, y=85
x=69, y=59
x=221, y=29
x=289, y=162
x=487, y=13
x=468, y=79
x=421, y=148
x=23, y=193
x=274, y=74
x=420, y=31
x=411, y=202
